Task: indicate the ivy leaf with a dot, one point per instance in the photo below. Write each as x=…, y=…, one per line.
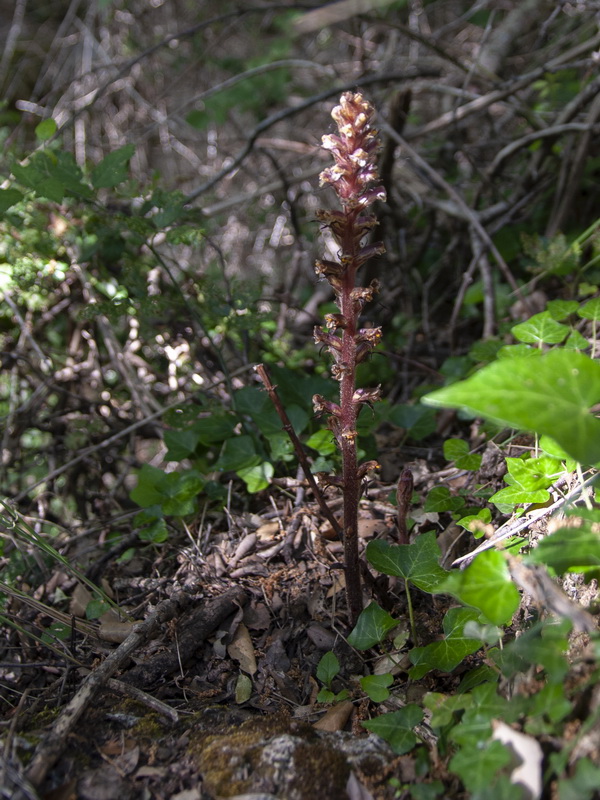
x=511, y=393
x=371, y=628
x=486, y=585
x=534, y=473
x=448, y=653
x=457, y=450
x=375, y=686
x=181, y=444
x=257, y=477
x=476, y=765
x=239, y=452
x=113, y=169
x=519, y=351
x=396, y=727
x=590, y=310
x=507, y=498
x=570, y=549
x=328, y=667
x=560, y=309
x=443, y=707
x=417, y=562
x=540, y=329
x=584, y=783
x=440, y=499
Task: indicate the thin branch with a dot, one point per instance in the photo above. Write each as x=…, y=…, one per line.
x=290, y=112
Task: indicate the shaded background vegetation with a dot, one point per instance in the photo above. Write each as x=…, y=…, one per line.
x=140, y=291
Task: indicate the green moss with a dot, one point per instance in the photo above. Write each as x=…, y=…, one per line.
x=273, y=753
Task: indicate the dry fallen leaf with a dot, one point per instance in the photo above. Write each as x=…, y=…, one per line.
x=242, y=650
x=336, y=717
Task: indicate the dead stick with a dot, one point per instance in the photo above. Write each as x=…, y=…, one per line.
x=51, y=746
x=299, y=450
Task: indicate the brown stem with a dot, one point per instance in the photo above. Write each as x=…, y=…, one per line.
x=298, y=449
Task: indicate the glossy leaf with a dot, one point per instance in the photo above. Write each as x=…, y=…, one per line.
x=446, y=654
x=570, y=549
x=417, y=562
x=512, y=393
x=540, y=329
x=376, y=686
x=396, y=727
x=591, y=309
x=486, y=585
x=371, y=628
x=440, y=499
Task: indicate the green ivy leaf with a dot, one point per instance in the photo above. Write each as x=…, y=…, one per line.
x=457, y=450
x=534, y=473
x=239, y=452
x=575, y=341
x=570, y=549
x=518, y=351
x=95, y=608
x=476, y=765
x=440, y=499
x=448, y=653
x=584, y=783
x=512, y=393
x=257, y=477
x=323, y=442
x=113, y=169
x=417, y=562
x=507, y=498
x=590, y=310
x=371, y=628
x=146, y=492
x=396, y=727
x=416, y=419
x=540, y=329
x=561, y=309
x=157, y=533
x=486, y=585
x=484, y=515
x=181, y=444
x=376, y=686
x=444, y=707
x=328, y=667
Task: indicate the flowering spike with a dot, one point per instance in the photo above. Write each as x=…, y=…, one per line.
x=353, y=177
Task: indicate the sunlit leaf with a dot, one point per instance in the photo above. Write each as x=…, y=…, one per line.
x=418, y=562
x=486, y=585
x=553, y=399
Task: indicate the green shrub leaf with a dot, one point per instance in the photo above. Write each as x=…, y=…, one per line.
x=113, y=169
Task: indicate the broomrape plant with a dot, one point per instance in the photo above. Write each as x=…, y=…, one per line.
x=354, y=179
